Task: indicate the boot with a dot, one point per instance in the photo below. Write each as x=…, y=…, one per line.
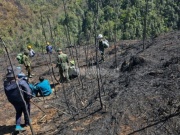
x=19, y=128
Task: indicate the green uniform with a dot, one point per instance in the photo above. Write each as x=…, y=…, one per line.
x=27, y=64
x=62, y=64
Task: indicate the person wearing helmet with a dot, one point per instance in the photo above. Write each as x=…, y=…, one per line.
x=49, y=48
x=73, y=70
x=31, y=51
x=29, y=47
x=63, y=65
x=27, y=63
x=101, y=46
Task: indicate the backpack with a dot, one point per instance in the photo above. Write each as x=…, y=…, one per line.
x=19, y=57
x=73, y=71
x=105, y=43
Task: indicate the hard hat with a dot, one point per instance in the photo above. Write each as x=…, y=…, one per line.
x=100, y=36
x=29, y=47
x=47, y=43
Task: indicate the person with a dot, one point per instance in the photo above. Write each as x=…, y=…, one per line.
x=63, y=65
x=49, y=48
x=43, y=87
x=18, y=94
x=73, y=70
x=31, y=51
x=27, y=63
x=102, y=45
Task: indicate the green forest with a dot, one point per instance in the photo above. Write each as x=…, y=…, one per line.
x=68, y=22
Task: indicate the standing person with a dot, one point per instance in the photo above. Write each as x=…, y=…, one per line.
x=19, y=97
x=27, y=63
x=31, y=51
x=49, y=48
x=102, y=45
x=63, y=65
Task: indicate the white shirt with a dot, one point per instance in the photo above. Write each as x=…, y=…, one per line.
x=31, y=53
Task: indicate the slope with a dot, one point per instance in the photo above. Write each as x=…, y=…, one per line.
x=140, y=96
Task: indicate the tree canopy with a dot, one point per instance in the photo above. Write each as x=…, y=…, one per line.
x=21, y=21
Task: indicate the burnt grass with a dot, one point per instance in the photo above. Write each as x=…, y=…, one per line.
x=134, y=91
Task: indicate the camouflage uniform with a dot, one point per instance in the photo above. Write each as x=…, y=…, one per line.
x=27, y=63
x=62, y=64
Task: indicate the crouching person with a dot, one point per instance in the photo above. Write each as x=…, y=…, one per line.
x=73, y=70
x=42, y=88
x=18, y=94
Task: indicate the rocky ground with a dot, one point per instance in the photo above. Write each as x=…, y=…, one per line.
x=134, y=91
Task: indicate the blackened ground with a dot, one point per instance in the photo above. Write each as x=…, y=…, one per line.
x=140, y=92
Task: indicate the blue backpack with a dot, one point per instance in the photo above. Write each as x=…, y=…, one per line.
x=49, y=48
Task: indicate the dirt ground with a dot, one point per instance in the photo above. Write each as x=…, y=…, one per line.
x=134, y=91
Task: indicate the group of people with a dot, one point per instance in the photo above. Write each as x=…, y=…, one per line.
x=67, y=68
x=62, y=60
x=19, y=91
x=25, y=58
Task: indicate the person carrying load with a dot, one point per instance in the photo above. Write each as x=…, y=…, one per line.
x=73, y=70
x=103, y=43
x=31, y=51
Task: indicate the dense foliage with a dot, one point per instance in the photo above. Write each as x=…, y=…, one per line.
x=65, y=22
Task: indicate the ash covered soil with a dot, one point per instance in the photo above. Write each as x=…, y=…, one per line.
x=134, y=91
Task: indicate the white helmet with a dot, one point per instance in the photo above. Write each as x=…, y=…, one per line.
x=100, y=36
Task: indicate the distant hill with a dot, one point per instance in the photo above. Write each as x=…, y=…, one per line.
x=65, y=22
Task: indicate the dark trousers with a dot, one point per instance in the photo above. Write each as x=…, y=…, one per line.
x=102, y=54
x=36, y=92
x=21, y=108
x=64, y=76
x=28, y=69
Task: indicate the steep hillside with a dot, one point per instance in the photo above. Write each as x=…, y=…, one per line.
x=139, y=90
x=12, y=15
x=20, y=23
